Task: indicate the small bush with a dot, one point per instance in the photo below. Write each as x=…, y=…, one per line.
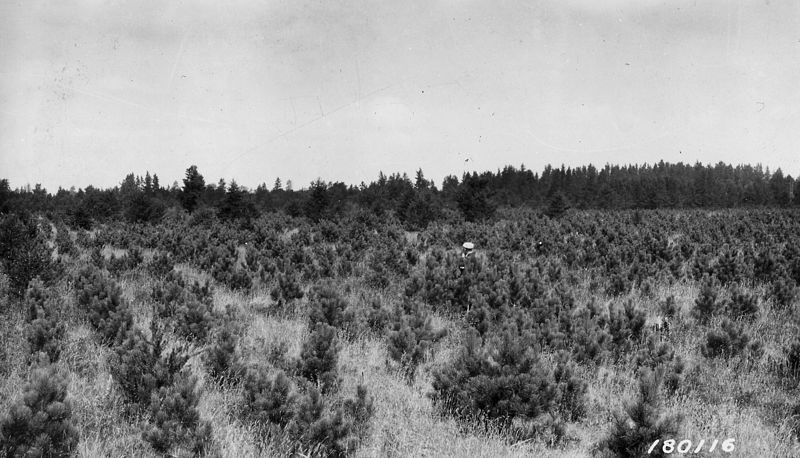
x=102, y=301
x=326, y=306
x=793, y=359
x=194, y=320
x=64, y=242
x=221, y=359
x=377, y=317
x=783, y=292
x=40, y=423
x=46, y=334
x=360, y=410
x=730, y=340
x=498, y=380
x=669, y=308
x=318, y=357
x=287, y=290
x=175, y=421
x=45, y=330
x=570, y=389
x=142, y=366
x=117, y=265
x=618, y=284
x=626, y=326
x=742, y=305
x=634, y=430
x=411, y=337
x=707, y=304
x=267, y=399
x=319, y=432
x=161, y=265
x=24, y=254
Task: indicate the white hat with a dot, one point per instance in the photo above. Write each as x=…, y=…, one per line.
x=468, y=245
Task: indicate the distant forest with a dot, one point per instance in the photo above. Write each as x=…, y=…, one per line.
x=417, y=201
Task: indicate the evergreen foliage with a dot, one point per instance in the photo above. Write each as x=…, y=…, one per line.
x=742, y=305
x=707, y=303
x=101, y=300
x=783, y=292
x=40, y=423
x=221, y=359
x=411, y=337
x=318, y=357
x=326, y=306
x=24, y=254
x=142, y=366
x=174, y=419
x=287, y=290
x=193, y=186
x=556, y=206
x=729, y=340
x=498, y=379
x=641, y=423
x=45, y=331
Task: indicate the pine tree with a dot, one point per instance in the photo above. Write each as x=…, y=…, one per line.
x=641, y=424
x=557, y=205
x=40, y=423
x=193, y=187
x=318, y=357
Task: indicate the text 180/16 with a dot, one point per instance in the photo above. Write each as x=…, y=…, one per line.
x=686, y=446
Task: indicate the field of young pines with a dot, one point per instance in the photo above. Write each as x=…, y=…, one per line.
x=594, y=334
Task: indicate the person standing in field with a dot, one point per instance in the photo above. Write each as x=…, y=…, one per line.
x=466, y=251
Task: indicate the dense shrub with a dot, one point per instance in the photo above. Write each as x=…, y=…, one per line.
x=190, y=308
x=377, y=317
x=411, y=337
x=24, y=254
x=287, y=290
x=498, y=379
x=660, y=356
x=194, y=319
x=730, y=340
x=315, y=429
x=116, y=265
x=46, y=334
x=101, y=300
x=326, y=306
x=625, y=326
x=40, y=423
x=783, y=292
x=221, y=359
x=570, y=389
x=707, y=303
x=45, y=330
x=318, y=431
x=318, y=357
x=618, y=284
x=142, y=366
x=64, y=242
x=793, y=359
x=161, y=265
x=742, y=305
x=267, y=399
x=174, y=419
x=669, y=308
x=642, y=422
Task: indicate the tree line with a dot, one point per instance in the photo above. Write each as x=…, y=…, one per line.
x=418, y=201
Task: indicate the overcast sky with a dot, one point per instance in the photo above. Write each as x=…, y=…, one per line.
x=92, y=90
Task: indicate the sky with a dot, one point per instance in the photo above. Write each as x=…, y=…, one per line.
x=92, y=90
